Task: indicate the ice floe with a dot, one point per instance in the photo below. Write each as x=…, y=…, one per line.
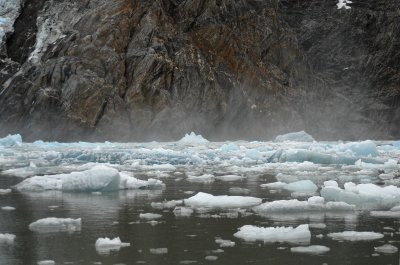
x=223, y=243
x=355, y=236
x=205, y=178
x=10, y=140
x=158, y=251
x=46, y=262
x=8, y=208
x=296, y=186
x=150, y=216
x=53, y=224
x=300, y=234
x=7, y=238
x=313, y=249
x=5, y=191
x=387, y=249
x=205, y=200
x=106, y=245
x=301, y=136
x=192, y=138
x=183, y=211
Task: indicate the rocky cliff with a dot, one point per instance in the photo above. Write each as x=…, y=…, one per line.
x=139, y=70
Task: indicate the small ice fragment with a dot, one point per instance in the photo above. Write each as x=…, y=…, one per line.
x=274, y=185
x=224, y=243
x=211, y=258
x=317, y=226
x=205, y=200
x=166, y=204
x=7, y=208
x=52, y=224
x=206, y=178
x=182, y=211
x=5, y=191
x=228, y=178
x=331, y=183
x=313, y=249
x=46, y=262
x=158, y=251
x=192, y=138
x=355, y=236
x=301, y=186
x=238, y=191
x=187, y=261
x=300, y=234
x=216, y=251
x=150, y=216
x=7, y=238
x=387, y=249
x=301, y=136
x=105, y=246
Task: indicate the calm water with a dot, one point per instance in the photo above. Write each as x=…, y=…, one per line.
x=187, y=239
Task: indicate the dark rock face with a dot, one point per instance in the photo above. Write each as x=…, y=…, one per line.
x=139, y=70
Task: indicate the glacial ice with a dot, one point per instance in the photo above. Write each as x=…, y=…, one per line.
x=182, y=211
x=166, y=204
x=301, y=186
x=229, y=178
x=363, y=195
x=205, y=178
x=5, y=191
x=192, y=138
x=10, y=140
x=46, y=262
x=9, y=13
x=205, y=200
x=387, y=249
x=301, y=136
x=106, y=245
x=313, y=204
x=8, y=208
x=7, y=238
x=150, y=216
x=98, y=178
x=53, y=224
x=158, y=251
x=355, y=236
x=313, y=249
x=300, y=234
x=224, y=243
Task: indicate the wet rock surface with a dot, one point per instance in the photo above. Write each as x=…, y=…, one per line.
x=136, y=70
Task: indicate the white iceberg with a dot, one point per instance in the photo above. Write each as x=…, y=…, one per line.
x=182, y=211
x=205, y=200
x=7, y=238
x=313, y=249
x=192, y=138
x=223, y=243
x=150, y=216
x=300, y=234
x=53, y=224
x=11, y=140
x=301, y=186
x=301, y=136
x=128, y=182
x=106, y=245
x=229, y=178
x=363, y=195
x=313, y=204
x=387, y=249
x=355, y=236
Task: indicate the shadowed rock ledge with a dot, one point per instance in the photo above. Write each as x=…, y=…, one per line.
x=140, y=70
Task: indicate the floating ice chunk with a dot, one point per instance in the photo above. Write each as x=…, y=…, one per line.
x=230, y=147
x=355, y=236
x=131, y=183
x=106, y=245
x=229, y=178
x=11, y=140
x=365, y=148
x=192, y=138
x=300, y=234
x=46, y=262
x=187, y=261
x=363, y=195
x=97, y=178
x=7, y=208
x=53, y=224
x=301, y=186
x=301, y=136
x=211, y=258
x=166, y=204
x=313, y=249
x=158, y=251
x=274, y=185
x=150, y=216
x=205, y=200
x=5, y=191
x=7, y=238
x=206, y=178
x=313, y=204
x=224, y=243
x=182, y=211
x=387, y=214
x=387, y=249
x=238, y=190
x=343, y=4
x=317, y=226
x=331, y=183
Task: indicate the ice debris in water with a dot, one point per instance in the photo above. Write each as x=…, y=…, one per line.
x=7, y=238
x=205, y=200
x=386, y=248
x=313, y=249
x=229, y=178
x=46, y=262
x=211, y=258
x=106, y=245
x=343, y=4
x=363, y=195
x=238, y=190
x=158, y=251
x=182, y=211
x=223, y=243
x=5, y=191
x=53, y=224
x=98, y=178
x=150, y=216
x=206, y=178
x=313, y=204
x=301, y=136
x=300, y=234
x=166, y=204
x=11, y=140
x=297, y=186
x=192, y=138
x=8, y=208
x=355, y=236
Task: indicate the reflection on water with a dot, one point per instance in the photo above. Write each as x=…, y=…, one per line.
x=187, y=239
